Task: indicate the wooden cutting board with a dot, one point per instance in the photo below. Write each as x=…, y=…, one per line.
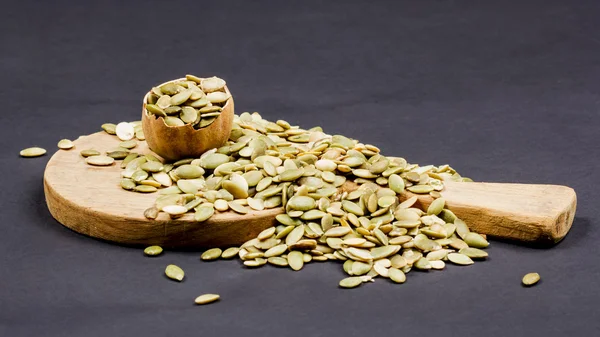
x=89, y=200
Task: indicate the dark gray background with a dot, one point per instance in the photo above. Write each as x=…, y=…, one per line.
x=504, y=91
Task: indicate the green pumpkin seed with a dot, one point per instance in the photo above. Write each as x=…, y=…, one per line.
x=530, y=279
x=396, y=183
x=211, y=254
x=65, y=144
x=175, y=210
x=180, y=97
x=436, y=206
x=203, y=213
x=396, y=275
x=237, y=207
x=155, y=109
x=127, y=184
x=212, y=84
x=151, y=213
x=110, y=128
x=174, y=272
x=351, y=282
x=276, y=251
x=301, y=203
x=295, y=260
x=153, y=250
x=278, y=261
x=99, y=160
x=32, y=152
x=475, y=240
x=206, y=299
x=230, y=252
x=118, y=154
x=152, y=166
x=89, y=153
x=460, y=259
x=351, y=207
x=420, y=189
x=474, y=253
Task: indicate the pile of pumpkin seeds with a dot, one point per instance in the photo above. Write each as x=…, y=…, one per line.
x=341, y=201
x=196, y=101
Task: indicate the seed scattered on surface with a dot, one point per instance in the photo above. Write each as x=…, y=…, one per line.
x=211, y=254
x=174, y=272
x=530, y=279
x=266, y=165
x=153, y=250
x=32, y=152
x=207, y=298
x=460, y=259
x=351, y=282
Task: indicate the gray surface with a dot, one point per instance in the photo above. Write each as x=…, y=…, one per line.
x=504, y=91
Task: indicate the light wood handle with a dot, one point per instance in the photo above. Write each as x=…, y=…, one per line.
x=541, y=214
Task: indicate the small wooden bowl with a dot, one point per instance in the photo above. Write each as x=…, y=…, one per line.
x=177, y=142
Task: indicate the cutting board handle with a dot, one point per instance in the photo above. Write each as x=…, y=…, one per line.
x=540, y=214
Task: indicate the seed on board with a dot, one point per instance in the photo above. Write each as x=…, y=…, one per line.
x=174, y=272
x=153, y=250
x=530, y=279
x=211, y=254
x=125, y=131
x=99, y=160
x=151, y=213
x=207, y=298
x=89, y=153
x=65, y=144
x=32, y=152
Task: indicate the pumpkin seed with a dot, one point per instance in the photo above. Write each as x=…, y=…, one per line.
x=203, y=213
x=475, y=240
x=125, y=131
x=65, y=144
x=351, y=282
x=151, y=213
x=460, y=259
x=211, y=254
x=174, y=272
x=32, y=152
x=396, y=275
x=295, y=260
x=230, y=252
x=206, y=299
x=153, y=250
x=278, y=261
x=99, y=160
x=436, y=206
x=175, y=210
x=474, y=253
x=530, y=279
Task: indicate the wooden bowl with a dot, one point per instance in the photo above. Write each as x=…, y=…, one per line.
x=177, y=142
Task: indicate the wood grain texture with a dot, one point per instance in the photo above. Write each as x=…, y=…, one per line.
x=90, y=201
